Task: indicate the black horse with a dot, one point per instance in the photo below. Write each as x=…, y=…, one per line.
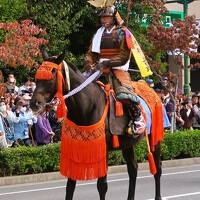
x=86, y=108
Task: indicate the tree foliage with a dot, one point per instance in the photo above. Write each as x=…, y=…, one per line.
x=181, y=35
x=21, y=43
x=179, y=39
x=11, y=10
x=69, y=23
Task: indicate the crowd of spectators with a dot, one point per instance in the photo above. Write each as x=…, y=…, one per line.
x=18, y=124
x=183, y=112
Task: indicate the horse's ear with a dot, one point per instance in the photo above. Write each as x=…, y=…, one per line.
x=60, y=58
x=44, y=53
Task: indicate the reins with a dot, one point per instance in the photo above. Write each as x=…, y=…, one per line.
x=89, y=80
x=44, y=72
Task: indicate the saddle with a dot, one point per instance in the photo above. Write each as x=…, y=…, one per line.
x=117, y=124
x=121, y=81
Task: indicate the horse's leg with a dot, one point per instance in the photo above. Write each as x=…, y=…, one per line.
x=132, y=166
x=71, y=184
x=157, y=176
x=102, y=187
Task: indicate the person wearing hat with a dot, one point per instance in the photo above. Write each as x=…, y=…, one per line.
x=109, y=49
x=150, y=82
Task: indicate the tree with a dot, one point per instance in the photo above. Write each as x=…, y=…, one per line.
x=70, y=24
x=21, y=44
x=179, y=39
x=11, y=10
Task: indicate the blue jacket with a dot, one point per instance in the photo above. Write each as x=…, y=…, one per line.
x=21, y=127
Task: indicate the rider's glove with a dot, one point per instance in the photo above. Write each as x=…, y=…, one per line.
x=99, y=66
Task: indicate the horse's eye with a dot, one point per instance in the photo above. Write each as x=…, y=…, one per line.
x=54, y=71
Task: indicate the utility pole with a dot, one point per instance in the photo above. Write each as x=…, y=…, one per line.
x=186, y=57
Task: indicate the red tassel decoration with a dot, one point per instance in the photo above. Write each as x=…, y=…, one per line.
x=118, y=109
x=115, y=141
x=152, y=165
x=44, y=72
x=61, y=109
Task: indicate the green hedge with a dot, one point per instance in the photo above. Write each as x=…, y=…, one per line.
x=29, y=160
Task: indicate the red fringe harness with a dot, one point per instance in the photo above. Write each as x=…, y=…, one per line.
x=83, y=150
x=155, y=105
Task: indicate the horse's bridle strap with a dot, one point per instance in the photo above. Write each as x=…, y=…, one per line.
x=89, y=80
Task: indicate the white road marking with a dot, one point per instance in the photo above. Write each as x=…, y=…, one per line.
x=93, y=183
x=179, y=195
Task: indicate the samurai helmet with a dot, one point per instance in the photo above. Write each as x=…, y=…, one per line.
x=108, y=11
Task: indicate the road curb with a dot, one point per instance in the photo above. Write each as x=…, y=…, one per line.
x=43, y=177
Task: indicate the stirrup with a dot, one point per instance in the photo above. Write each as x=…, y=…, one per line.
x=136, y=127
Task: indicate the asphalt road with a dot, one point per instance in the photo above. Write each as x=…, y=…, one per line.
x=178, y=183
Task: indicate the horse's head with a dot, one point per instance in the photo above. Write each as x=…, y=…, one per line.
x=48, y=77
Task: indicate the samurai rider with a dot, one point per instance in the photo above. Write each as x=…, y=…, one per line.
x=109, y=50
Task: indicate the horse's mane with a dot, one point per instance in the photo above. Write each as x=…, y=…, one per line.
x=73, y=66
x=75, y=69
x=81, y=77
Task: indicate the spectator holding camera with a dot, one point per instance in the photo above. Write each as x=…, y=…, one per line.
x=55, y=123
x=178, y=119
x=21, y=127
x=10, y=99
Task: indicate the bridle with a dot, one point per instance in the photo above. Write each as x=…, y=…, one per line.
x=44, y=72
